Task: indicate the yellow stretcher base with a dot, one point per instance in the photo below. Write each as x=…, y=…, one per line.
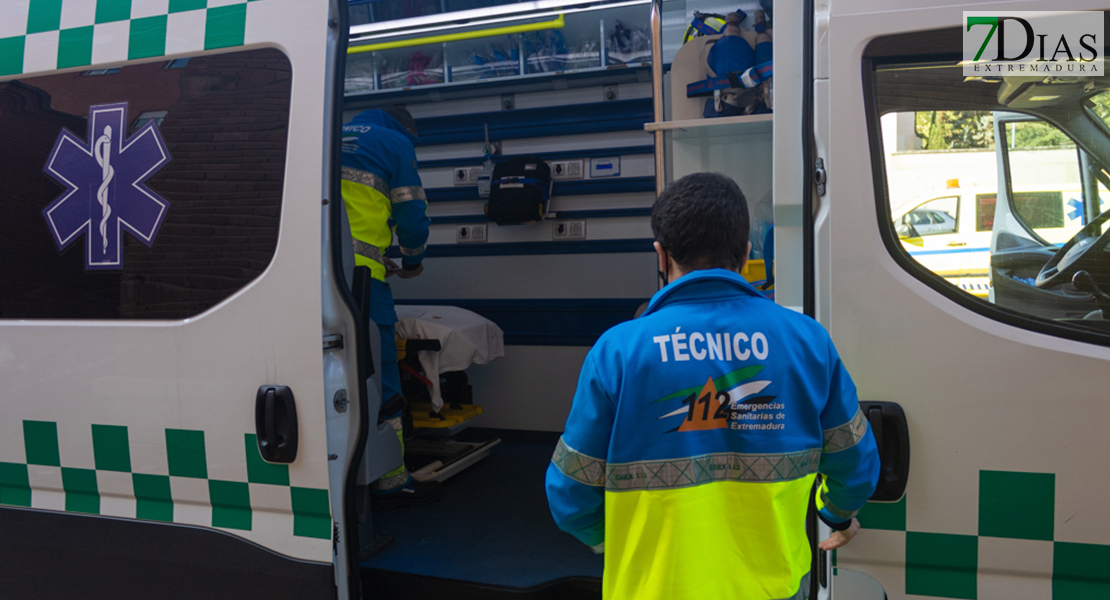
x=424, y=417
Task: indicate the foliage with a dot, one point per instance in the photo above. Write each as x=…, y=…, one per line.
x=954, y=129
x=1100, y=104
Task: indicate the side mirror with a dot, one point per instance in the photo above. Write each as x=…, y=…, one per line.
x=906, y=230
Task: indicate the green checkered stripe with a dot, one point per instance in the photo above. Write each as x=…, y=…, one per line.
x=230, y=501
x=1012, y=506
x=44, y=35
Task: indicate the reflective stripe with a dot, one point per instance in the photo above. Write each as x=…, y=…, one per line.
x=413, y=251
x=398, y=477
x=579, y=467
x=708, y=468
x=409, y=192
x=846, y=435
x=366, y=178
x=368, y=251
x=832, y=508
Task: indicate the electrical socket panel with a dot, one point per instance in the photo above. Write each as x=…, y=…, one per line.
x=568, y=169
x=471, y=234
x=568, y=230
x=465, y=175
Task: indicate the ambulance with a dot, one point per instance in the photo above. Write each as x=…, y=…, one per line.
x=189, y=390
x=949, y=231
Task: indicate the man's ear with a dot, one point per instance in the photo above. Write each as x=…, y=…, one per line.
x=747, y=254
x=662, y=256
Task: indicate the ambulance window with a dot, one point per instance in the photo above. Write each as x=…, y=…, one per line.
x=984, y=211
x=149, y=193
x=934, y=217
x=1043, y=166
x=1028, y=157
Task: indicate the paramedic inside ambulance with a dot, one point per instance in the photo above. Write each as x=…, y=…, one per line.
x=698, y=430
x=380, y=185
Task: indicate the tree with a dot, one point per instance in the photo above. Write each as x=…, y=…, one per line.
x=955, y=129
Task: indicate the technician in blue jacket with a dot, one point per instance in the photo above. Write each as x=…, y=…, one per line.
x=698, y=429
x=383, y=192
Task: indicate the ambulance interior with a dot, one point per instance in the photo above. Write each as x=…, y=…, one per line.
x=569, y=85
x=1035, y=150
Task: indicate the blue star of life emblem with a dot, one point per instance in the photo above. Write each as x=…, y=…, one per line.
x=105, y=186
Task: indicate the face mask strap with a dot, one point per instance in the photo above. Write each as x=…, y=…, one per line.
x=663, y=275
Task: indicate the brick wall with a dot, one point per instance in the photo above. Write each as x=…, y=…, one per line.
x=226, y=135
x=226, y=132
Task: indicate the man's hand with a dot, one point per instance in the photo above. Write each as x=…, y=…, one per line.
x=407, y=274
x=840, y=538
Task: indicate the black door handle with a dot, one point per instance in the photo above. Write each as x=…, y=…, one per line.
x=875, y=419
x=275, y=422
x=892, y=436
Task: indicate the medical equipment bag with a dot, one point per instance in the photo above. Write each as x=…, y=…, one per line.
x=519, y=191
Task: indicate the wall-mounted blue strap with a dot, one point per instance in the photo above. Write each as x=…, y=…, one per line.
x=543, y=186
x=584, y=187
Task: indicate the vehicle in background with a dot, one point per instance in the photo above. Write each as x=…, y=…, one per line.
x=949, y=231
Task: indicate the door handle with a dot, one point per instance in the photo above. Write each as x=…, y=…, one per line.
x=954, y=243
x=892, y=436
x=275, y=421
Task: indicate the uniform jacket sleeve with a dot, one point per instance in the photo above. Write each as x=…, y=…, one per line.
x=576, y=475
x=409, y=207
x=849, y=456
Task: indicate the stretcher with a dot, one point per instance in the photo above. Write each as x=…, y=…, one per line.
x=435, y=345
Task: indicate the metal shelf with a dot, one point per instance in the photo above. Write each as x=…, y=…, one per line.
x=722, y=126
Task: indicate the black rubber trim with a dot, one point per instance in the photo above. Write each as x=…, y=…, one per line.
x=340, y=27
x=395, y=585
x=894, y=247
x=52, y=554
x=809, y=293
x=809, y=280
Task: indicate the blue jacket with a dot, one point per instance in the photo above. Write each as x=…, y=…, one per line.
x=375, y=142
x=381, y=187
x=715, y=399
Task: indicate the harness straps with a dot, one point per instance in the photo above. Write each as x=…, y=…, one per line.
x=511, y=182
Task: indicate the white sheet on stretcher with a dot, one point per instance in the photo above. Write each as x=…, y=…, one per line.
x=465, y=338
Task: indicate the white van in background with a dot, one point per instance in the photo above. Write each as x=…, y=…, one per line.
x=949, y=231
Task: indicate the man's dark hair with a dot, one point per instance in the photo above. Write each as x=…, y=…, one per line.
x=702, y=221
x=403, y=117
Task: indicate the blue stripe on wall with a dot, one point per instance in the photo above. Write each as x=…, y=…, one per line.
x=616, y=185
x=562, y=214
x=590, y=153
x=549, y=322
x=599, y=117
x=532, y=248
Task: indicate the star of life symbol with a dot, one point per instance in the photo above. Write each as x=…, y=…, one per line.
x=105, y=186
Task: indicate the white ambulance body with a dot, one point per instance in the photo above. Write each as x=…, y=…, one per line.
x=187, y=400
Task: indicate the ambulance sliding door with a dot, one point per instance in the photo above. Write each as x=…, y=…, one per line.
x=1006, y=405
x=162, y=392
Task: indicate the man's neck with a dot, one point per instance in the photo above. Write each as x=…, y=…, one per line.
x=675, y=273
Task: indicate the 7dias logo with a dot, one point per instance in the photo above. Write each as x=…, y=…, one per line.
x=1060, y=44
